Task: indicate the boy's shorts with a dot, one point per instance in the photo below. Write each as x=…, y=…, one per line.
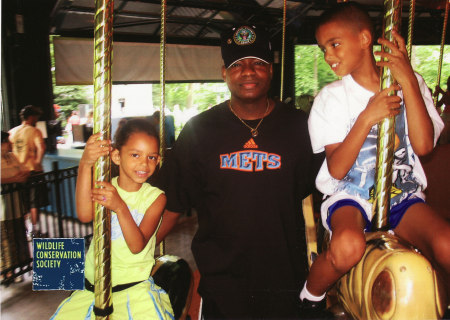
x=334, y=202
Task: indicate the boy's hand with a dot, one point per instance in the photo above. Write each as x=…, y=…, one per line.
x=95, y=149
x=381, y=106
x=397, y=60
x=106, y=194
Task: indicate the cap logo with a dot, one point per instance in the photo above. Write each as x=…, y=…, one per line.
x=244, y=36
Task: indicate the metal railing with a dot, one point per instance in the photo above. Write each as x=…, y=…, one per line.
x=57, y=217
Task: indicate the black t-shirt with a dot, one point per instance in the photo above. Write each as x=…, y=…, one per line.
x=247, y=193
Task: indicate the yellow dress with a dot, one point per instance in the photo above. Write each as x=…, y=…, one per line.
x=144, y=300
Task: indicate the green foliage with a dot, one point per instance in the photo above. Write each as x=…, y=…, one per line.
x=425, y=61
x=69, y=97
x=187, y=95
x=311, y=71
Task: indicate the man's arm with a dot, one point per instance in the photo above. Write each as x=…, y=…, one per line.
x=169, y=220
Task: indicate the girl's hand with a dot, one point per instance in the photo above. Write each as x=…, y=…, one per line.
x=95, y=149
x=381, y=106
x=106, y=194
x=397, y=60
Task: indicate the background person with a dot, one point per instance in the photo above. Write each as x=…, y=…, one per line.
x=29, y=148
x=445, y=114
x=14, y=248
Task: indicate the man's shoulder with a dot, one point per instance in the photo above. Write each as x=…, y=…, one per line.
x=212, y=114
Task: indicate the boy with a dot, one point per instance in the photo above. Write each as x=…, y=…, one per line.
x=343, y=123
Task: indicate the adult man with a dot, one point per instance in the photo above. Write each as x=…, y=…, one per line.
x=245, y=166
x=29, y=147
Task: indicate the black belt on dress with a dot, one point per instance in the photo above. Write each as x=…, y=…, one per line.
x=89, y=286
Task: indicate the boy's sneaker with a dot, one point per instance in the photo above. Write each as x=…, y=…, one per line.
x=314, y=310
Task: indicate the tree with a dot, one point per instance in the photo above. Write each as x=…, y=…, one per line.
x=69, y=97
x=311, y=71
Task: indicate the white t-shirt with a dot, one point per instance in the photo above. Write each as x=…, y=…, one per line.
x=334, y=112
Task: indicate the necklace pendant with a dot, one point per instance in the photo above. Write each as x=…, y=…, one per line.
x=254, y=133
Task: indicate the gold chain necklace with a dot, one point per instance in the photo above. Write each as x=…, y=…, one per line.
x=253, y=131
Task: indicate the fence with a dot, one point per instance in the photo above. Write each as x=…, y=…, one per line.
x=57, y=217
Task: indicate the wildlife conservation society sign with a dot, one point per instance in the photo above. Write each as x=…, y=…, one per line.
x=58, y=264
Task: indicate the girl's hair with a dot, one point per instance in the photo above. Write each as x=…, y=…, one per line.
x=134, y=126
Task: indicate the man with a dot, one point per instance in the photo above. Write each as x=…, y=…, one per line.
x=29, y=147
x=244, y=165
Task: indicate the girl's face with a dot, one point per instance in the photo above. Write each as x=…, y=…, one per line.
x=137, y=160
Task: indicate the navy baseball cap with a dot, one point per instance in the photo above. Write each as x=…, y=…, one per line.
x=241, y=42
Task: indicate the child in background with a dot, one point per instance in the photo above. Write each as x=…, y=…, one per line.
x=445, y=114
x=136, y=209
x=343, y=123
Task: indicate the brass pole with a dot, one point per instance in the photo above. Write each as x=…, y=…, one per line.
x=283, y=45
x=162, y=81
x=102, y=123
x=386, y=127
x=412, y=10
x=441, y=54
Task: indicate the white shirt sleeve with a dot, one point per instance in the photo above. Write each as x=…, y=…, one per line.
x=328, y=121
x=438, y=124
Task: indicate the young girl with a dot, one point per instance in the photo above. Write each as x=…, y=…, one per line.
x=136, y=209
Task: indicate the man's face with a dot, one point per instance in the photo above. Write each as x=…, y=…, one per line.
x=248, y=79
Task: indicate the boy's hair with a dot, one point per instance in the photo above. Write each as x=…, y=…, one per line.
x=351, y=13
x=134, y=126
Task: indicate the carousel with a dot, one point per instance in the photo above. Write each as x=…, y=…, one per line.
x=393, y=280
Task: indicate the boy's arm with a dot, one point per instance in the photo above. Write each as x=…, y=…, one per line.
x=420, y=126
x=83, y=198
x=341, y=156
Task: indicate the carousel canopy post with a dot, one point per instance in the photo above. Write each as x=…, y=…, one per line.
x=412, y=11
x=162, y=81
x=386, y=127
x=441, y=53
x=102, y=123
x=283, y=46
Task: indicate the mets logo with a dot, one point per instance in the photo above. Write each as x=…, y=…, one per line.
x=244, y=35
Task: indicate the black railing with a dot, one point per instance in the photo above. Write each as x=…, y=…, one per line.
x=57, y=217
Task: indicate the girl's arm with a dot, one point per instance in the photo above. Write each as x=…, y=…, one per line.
x=420, y=126
x=135, y=236
x=93, y=150
x=341, y=156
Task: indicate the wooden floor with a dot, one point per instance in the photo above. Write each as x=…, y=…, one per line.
x=19, y=301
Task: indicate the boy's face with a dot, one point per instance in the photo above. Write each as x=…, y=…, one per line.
x=341, y=46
